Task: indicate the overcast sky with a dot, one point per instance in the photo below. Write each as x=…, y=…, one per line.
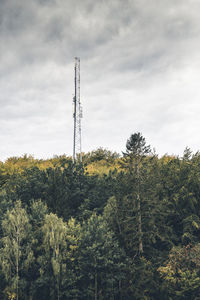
x=140, y=71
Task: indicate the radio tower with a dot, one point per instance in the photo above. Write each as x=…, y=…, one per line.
x=77, y=115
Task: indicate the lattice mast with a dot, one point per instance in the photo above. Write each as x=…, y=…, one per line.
x=77, y=115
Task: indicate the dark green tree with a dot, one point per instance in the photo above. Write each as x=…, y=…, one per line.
x=181, y=273
x=134, y=160
x=100, y=261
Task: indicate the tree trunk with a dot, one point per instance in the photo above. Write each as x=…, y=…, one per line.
x=140, y=249
x=17, y=265
x=140, y=226
x=95, y=287
x=120, y=289
x=58, y=293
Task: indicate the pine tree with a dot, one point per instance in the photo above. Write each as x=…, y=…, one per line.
x=136, y=152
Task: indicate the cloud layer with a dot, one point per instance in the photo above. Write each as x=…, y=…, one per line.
x=140, y=63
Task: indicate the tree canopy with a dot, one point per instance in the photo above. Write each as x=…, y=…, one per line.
x=113, y=227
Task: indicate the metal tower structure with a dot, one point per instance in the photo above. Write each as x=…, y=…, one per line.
x=77, y=115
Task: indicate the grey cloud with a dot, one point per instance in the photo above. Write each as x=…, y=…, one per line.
x=139, y=66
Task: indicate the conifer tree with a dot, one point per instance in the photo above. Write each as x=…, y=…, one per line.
x=136, y=151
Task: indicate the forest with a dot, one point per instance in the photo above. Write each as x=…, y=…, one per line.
x=113, y=226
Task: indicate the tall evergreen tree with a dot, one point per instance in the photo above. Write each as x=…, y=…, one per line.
x=136, y=152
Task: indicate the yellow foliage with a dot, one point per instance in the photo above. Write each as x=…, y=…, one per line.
x=102, y=167
x=11, y=295
x=20, y=164
x=195, y=225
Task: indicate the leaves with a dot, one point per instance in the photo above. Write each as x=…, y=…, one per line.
x=77, y=230
x=16, y=254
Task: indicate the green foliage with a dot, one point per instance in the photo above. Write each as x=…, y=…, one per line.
x=100, y=154
x=181, y=272
x=104, y=268
x=136, y=146
x=52, y=262
x=16, y=254
x=111, y=228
